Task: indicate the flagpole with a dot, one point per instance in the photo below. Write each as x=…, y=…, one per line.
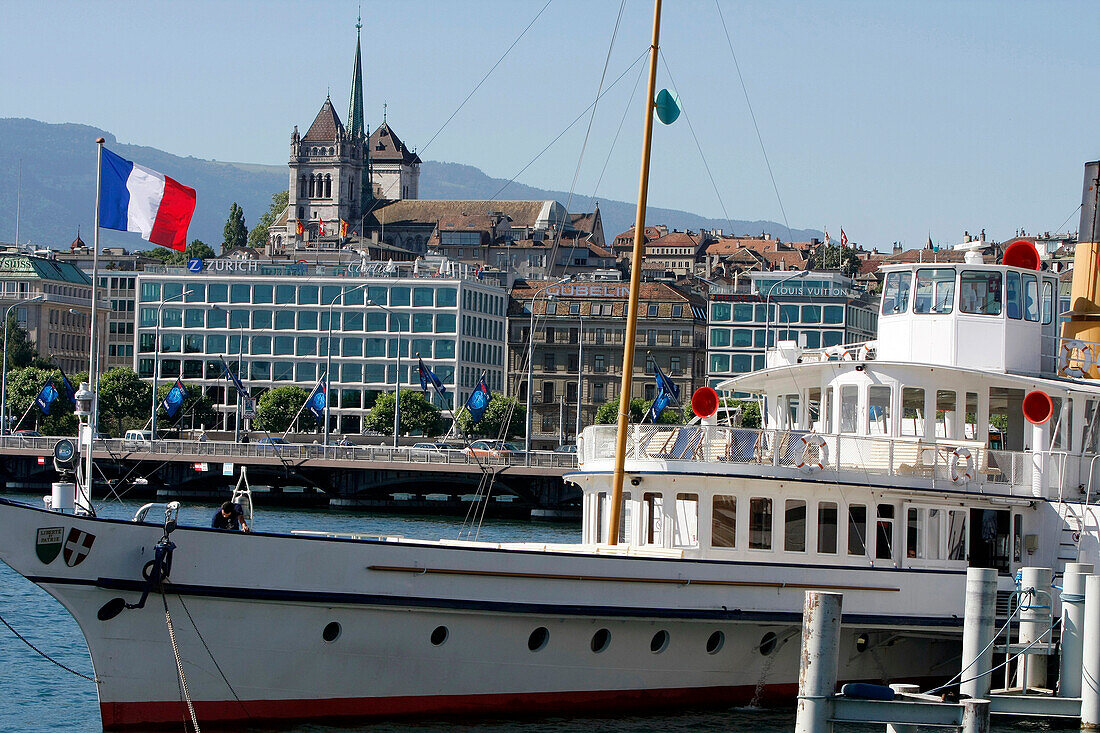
x=93, y=347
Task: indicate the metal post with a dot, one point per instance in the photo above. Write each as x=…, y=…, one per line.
x=1090, y=657
x=1035, y=624
x=979, y=619
x=531, y=362
x=975, y=717
x=1073, y=624
x=817, y=669
x=580, y=376
x=903, y=689
x=93, y=344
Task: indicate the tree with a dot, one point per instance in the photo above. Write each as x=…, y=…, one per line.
x=828, y=256
x=196, y=249
x=417, y=414
x=750, y=411
x=608, y=412
x=24, y=385
x=197, y=409
x=236, y=234
x=276, y=408
x=257, y=238
x=124, y=400
x=500, y=409
x=20, y=349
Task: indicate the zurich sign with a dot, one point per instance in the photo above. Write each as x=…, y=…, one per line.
x=194, y=265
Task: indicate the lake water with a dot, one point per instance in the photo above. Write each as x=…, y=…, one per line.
x=37, y=696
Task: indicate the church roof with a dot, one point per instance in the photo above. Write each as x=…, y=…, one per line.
x=326, y=126
x=386, y=146
x=430, y=211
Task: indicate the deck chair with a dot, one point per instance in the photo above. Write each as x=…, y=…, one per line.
x=685, y=444
x=741, y=446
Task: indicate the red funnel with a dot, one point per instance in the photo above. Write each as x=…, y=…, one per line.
x=1038, y=407
x=1021, y=253
x=704, y=402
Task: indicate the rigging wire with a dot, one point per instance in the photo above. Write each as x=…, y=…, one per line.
x=44, y=655
x=487, y=74
x=615, y=140
x=752, y=114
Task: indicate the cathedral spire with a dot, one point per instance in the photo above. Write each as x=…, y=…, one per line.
x=356, y=128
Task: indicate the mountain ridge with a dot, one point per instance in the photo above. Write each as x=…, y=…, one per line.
x=57, y=162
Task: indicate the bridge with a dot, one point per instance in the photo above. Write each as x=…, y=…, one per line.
x=378, y=477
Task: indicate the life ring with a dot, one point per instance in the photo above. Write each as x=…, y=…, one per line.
x=580, y=450
x=1065, y=356
x=864, y=352
x=957, y=456
x=815, y=453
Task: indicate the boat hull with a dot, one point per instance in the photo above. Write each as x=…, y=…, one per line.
x=278, y=628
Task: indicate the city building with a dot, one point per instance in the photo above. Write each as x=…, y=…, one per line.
x=589, y=317
x=820, y=309
x=60, y=323
x=273, y=319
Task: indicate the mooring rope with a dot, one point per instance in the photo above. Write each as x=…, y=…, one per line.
x=44, y=655
x=179, y=664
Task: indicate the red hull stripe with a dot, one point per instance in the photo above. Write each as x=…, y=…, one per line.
x=173, y=215
x=121, y=715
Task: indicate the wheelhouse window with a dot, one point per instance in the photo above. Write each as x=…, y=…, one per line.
x=878, y=410
x=912, y=411
x=827, y=527
x=760, y=523
x=935, y=290
x=1013, y=295
x=723, y=527
x=794, y=526
x=857, y=529
x=849, y=407
x=895, y=293
x=1031, y=298
x=1048, y=301
x=980, y=292
x=884, y=532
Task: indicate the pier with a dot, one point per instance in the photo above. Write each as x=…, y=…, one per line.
x=382, y=478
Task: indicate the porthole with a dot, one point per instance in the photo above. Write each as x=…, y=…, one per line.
x=659, y=642
x=440, y=635
x=861, y=643
x=768, y=643
x=331, y=632
x=601, y=640
x=715, y=642
x=538, y=639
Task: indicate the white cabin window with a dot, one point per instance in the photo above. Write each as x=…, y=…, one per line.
x=935, y=290
x=813, y=410
x=895, y=293
x=723, y=526
x=916, y=522
x=857, y=529
x=912, y=411
x=935, y=533
x=652, y=516
x=980, y=292
x=1013, y=295
x=626, y=522
x=878, y=411
x=971, y=424
x=827, y=527
x=849, y=408
x=828, y=428
x=760, y=523
x=956, y=534
x=686, y=531
x=946, y=414
x=601, y=517
x=794, y=526
x=1031, y=298
x=884, y=532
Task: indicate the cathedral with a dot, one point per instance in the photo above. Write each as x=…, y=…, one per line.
x=339, y=175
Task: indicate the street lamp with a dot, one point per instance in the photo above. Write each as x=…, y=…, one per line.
x=531, y=359
x=768, y=310
x=397, y=381
x=328, y=355
x=4, y=375
x=156, y=362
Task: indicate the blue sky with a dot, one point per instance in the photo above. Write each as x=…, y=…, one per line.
x=891, y=119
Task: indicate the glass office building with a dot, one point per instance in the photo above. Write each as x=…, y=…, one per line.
x=274, y=320
x=816, y=311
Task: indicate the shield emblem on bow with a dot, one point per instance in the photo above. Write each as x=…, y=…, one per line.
x=77, y=546
x=49, y=543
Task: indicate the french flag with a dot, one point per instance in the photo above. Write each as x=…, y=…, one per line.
x=134, y=198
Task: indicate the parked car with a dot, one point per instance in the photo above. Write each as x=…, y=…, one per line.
x=27, y=433
x=137, y=437
x=568, y=448
x=425, y=449
x=491, y=449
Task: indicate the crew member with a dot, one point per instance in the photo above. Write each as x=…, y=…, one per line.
x=230, y=516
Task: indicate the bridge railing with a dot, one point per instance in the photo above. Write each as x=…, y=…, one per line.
x=204, y=450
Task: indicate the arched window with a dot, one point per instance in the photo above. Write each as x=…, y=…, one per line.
x=332, y=151
x=312, y=183
x=301, y=212
x=328, y=186
x=301, y=187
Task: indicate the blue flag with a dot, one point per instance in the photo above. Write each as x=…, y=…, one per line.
x=478, y=401
x=46, y=397
x=667, y=391
x=236, y=380
x=173, y=401
x=70, y=391
x=318, y=400
x=427, y=376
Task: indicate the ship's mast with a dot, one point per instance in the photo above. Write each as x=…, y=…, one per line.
x=635, y=287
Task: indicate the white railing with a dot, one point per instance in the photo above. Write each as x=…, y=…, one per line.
x=215, y=450
x=899, y=461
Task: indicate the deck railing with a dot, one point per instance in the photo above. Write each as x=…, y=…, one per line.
x=960, y=465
